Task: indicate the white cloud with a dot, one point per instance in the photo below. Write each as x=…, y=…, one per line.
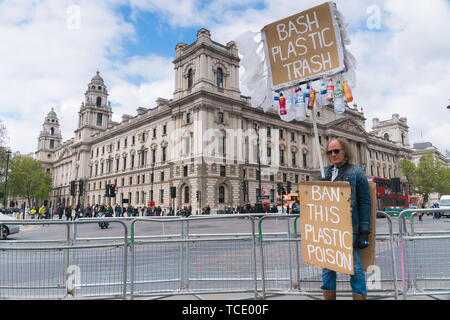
x=402, y=68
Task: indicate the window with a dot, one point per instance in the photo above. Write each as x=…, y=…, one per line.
x=386, y=136
x=219, y=77
x=165, y=129
x=185, y=171
x=221, y=194
x=222, y=171
x=304, y=160
x=190, y=78
x=272, y=178
x=281, y=133
x=187, y=144
x=99, y=119
x=153, y=155
x=220, y=117
x=293, y=158
x=52, y=143
x=132, y=160
x=292, y=136
x=162, y=175
x=133, y=140
x=268, y=131
x=161, y=195
x=222, y=145
x=296, y=178
x=52, y=131
x=188, y=117
x=269, y=155
x=164, y=154
x=154, y=132
x=281, y=156
x=98, y=102
x=284, y=177
x=130, y=181
x=186, y=194
x=303, y=138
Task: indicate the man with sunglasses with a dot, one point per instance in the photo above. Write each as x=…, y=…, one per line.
x=340, y=155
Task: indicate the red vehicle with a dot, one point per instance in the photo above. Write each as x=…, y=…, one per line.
x=391, y=194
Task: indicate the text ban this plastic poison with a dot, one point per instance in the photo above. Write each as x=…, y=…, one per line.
x=326, y=225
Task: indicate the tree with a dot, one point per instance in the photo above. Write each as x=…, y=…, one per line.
x=28, y=179
x=428, y=176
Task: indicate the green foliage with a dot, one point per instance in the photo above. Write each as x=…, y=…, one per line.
x=28, y=179
x=428, y=176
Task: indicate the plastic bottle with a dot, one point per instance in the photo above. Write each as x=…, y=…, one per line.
x=347, y=91
x=323, y=95
x=300, y=106
x=339, y=103
x=330, y=90
x=312, y=99
x=282, y=101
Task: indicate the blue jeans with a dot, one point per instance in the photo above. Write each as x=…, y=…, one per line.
x=357, y=281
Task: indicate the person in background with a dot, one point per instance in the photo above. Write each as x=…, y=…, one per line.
x=339, y=153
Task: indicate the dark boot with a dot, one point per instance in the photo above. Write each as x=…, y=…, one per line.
x=329, y=294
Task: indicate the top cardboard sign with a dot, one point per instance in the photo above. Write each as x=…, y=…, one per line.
x=304, y=47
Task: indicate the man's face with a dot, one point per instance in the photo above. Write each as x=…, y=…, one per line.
x=338, y=158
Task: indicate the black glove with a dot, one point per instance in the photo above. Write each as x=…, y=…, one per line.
x=363, y=239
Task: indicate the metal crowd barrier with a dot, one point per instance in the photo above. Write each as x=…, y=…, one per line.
x=425, y=257
x=258, y=254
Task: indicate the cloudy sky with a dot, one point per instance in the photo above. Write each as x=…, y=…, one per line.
x=50, y=49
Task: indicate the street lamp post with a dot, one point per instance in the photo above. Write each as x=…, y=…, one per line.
x=258, y=196
x=5, y=198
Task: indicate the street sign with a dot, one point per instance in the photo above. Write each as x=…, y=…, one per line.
x=262, y=197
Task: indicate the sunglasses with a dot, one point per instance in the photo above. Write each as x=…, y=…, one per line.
x=335, y=151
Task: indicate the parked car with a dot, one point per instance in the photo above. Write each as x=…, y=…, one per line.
x=7, y=229
x=445, y=204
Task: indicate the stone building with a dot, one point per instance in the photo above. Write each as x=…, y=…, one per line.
x=202, y=141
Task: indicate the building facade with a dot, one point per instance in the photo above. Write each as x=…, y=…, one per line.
x=202, y=141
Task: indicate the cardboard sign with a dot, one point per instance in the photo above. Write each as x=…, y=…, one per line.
x=367, y=255
x=326, y=225
x=304, y=47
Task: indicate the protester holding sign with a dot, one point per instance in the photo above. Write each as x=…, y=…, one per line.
x=340, y=155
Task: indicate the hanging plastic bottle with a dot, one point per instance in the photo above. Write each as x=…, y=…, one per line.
x=339, y=103
x=330, y=90
x=322, y=101
x=307, y=94
x=282, y=101
x=312, y=99
x=347, y=91
x=300, y=106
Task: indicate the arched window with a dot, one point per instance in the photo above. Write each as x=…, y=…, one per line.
x=219, y=77
x=386, y=136
x=99, y=102
x=52, y=131
x=221, y=194
x=186, y=194
x=190, y=78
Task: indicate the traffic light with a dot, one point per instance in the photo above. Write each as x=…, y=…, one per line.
x=72, y=188
x=112, y=190
x=244, y=186
x=107, y=190
x=280, y=188
x=81, y=187
x=289, y=187
x=173, y=192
